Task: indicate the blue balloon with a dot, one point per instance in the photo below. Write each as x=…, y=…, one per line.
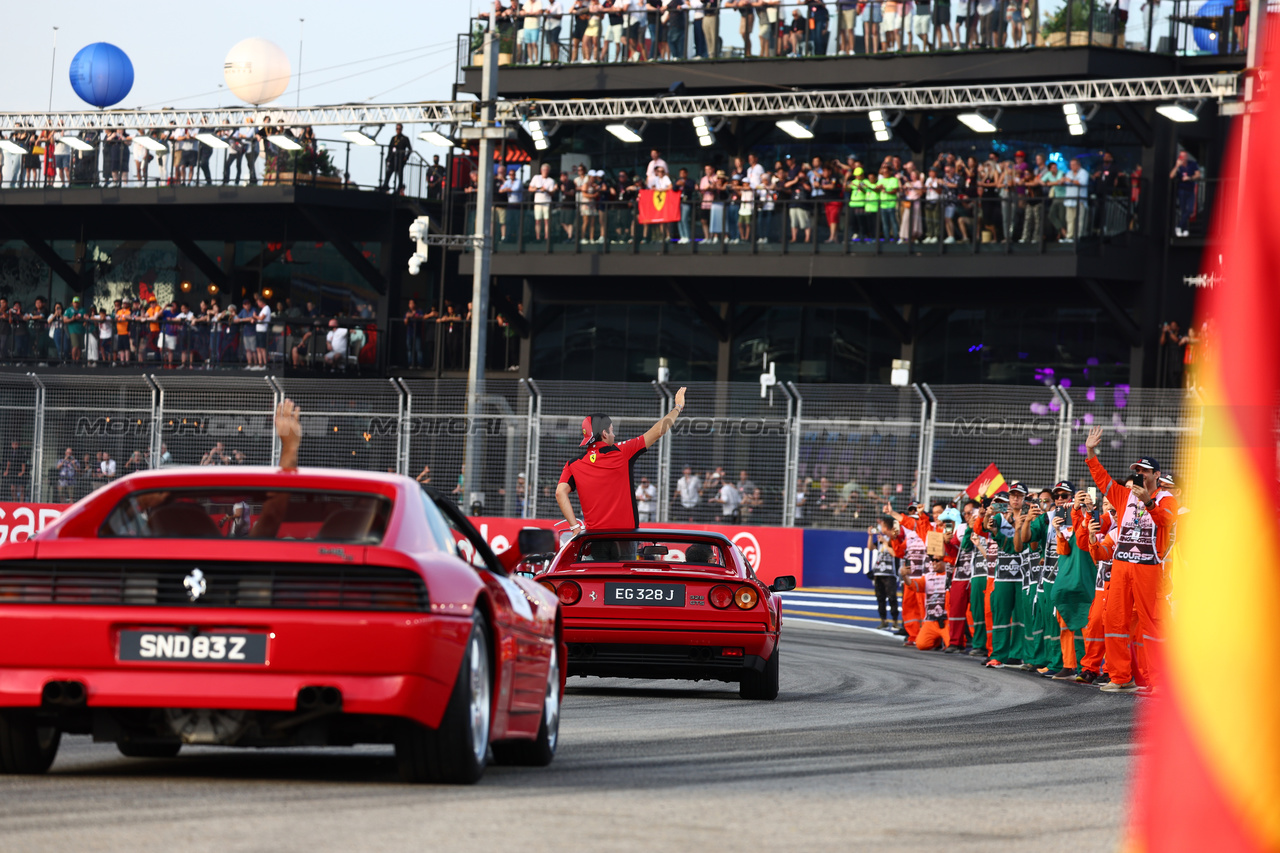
x=101, y=74
x=1209, y=40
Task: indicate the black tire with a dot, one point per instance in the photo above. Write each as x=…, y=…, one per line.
x=25, y=745
x=455, y=752
x=149, y=750
x=761, y=685
x=540, y=751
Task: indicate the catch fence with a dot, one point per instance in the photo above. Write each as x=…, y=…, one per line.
x=824, y=455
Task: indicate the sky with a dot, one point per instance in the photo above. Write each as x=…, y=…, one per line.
x=393, y=51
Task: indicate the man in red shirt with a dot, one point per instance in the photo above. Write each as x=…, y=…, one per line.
x=1146, y=514
x=602, y=474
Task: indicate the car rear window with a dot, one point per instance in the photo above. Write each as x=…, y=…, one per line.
x=356, y=518
x=691, y=553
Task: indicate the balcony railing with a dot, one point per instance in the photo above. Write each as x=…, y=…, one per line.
x=119, y=157
x=298, y=345
x=986, y=225
x=592, y=32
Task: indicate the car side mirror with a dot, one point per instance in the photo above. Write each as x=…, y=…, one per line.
x=536, y=540
x=783, y=583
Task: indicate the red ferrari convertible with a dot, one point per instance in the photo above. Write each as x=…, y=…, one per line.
x=668, y=604
x=254, y=607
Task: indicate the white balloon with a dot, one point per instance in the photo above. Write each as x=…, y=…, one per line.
x=257, y=71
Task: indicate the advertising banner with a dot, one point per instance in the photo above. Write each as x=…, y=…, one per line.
x=18, y=521
x=838, y=558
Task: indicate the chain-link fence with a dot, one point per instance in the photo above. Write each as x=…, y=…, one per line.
x=436, y=429
x=94, y=429
x=1163, y=423
x=811, y=455
x=348, y=423
x=215, y=420
x=560, y=408
x=729, y=435
x=858, y=447
x=19, y=429
x=1019, y=428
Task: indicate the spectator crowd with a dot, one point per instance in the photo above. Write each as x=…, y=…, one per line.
x=184, y=155
x=600, y=31
x=1019, y=198
x=176, y=335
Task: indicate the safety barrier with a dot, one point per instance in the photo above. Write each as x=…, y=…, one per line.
x=805, y=455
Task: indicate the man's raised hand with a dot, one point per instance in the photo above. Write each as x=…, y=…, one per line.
x=1092, y=442
x=680, y=398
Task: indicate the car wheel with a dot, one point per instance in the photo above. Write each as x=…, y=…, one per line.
x=541, y=750
x=761, y=685
x=25, y=745
x=148, y=750
x=456, y=751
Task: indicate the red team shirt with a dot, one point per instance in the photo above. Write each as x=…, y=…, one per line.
x=602, y=477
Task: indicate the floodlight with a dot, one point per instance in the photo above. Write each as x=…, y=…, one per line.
x=279, y=140
x=212, y=140
x=627, y=131
x=979, y=122
x=436, y=138
x=359, y=137
x=800, y=127
x=76, y=142
x=1178, y=112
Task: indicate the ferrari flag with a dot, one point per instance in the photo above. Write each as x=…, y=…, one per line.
x=658, y=206
x=1208, y=776
x=989, y=482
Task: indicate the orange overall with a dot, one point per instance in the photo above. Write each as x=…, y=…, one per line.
x=1137, y=569
x=931, y=590
x=914, y=531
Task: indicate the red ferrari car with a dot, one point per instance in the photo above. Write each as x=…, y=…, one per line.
x=254, y=607
x=668, y=604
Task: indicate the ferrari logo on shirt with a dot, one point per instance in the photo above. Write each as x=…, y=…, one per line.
x=592, y=457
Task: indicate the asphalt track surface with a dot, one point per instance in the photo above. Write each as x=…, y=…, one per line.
x=870, y=746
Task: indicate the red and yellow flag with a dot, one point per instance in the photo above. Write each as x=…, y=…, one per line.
x=1208, y=775
x=658, y=206
x=988, y=483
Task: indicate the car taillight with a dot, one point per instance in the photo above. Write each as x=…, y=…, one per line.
x=731, y=652
x=569, y=592
x=549, y=585
x=746, y=597
x=720, y=596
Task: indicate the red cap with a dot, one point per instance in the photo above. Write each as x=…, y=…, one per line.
x=592, y=426
x=586, y=431
x=1019, y=154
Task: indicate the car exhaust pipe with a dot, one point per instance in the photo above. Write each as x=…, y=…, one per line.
x=65, y=693
x=323, y=700
x=331, y=698
x=308, y=698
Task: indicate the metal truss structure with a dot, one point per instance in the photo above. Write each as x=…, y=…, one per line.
x=341, y=115
x=1001, y=95
x=1193, y=87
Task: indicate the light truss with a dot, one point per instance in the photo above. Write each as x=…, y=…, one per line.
x=1218, y=87
x=340, y=115
x=1189, y=87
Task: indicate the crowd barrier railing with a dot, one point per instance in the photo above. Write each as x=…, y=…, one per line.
x=826, y=456
x=992, y=224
